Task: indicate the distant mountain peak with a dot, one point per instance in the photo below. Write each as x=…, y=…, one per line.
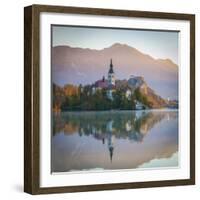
x=119, y=45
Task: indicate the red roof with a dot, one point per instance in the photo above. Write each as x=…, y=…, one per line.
x=101, y=84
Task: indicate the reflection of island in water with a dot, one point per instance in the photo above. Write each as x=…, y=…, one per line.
x=114, y=140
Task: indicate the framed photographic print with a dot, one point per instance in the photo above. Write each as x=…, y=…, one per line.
x=109, y=99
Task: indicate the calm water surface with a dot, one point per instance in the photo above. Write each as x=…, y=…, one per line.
x=114, y=140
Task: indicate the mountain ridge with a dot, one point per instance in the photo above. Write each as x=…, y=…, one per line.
x=83, y=65
x=117, y=45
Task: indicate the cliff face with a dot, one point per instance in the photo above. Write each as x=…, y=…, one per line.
x=139, y=83
x=155, y=100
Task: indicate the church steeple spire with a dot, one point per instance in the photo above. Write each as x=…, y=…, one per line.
x=111, y=80
x=111, y=67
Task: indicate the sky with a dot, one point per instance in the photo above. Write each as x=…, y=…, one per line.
x=158, y=44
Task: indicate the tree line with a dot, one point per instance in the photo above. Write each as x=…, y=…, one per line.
x=82, y=98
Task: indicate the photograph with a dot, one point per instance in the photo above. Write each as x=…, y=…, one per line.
x=109, y=99
x=114, y=99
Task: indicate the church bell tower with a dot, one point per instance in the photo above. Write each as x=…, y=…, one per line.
x=111, y=74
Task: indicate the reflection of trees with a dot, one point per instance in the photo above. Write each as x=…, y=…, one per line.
x=123, y=124
x=106, y=126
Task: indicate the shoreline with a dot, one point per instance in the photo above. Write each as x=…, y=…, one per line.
x=116, y=111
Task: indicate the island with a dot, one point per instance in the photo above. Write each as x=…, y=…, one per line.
x=109, y=94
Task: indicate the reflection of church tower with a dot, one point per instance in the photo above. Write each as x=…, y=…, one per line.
x=111, y=145
x=111, y=74
x=110, y=139
x=111, y=148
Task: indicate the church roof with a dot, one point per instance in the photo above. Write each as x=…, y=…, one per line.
x=101, y=84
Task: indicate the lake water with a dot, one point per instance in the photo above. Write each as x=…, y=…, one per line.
x=114, y=140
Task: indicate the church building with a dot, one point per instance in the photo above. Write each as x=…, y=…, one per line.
x=108, y=84
x=111, y=81
x=111, y=75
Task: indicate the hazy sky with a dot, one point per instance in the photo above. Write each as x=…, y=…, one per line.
x=158, y=44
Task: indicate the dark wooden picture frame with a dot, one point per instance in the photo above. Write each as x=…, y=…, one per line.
x=32, y=93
